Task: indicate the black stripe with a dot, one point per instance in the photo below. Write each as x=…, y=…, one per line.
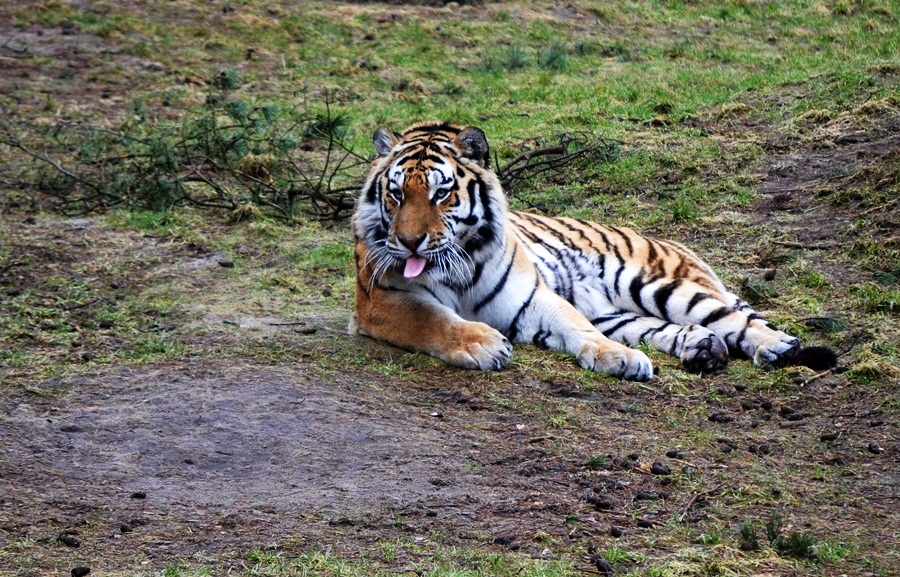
x=605, y=318
x=662, y=296
x=513, y=330
x=374, y=191
x=648, y=332
x=617, y=277
x=674, y=346
x=499, y=286
x=612, y=330
x=597, y=228
x=695, y=300
x=483, y=237
x=625, y=238
x=717, y=315
x=637, y=283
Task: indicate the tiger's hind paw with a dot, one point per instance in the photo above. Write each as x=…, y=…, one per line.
x=704, y=352
x=777, y=353
x=615, y=360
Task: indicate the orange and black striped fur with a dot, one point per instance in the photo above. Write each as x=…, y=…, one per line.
x=443, y=267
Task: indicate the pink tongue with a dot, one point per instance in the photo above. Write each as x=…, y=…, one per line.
x=414, y=266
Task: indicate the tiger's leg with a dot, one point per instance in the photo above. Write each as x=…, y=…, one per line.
x=698, y=348
x=550, y=321
x=410, y=322
x=741, y=328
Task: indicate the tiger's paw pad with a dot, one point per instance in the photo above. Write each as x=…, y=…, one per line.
x=778, y=353
x=482, y=348
x=616, y=360
x=704, y=352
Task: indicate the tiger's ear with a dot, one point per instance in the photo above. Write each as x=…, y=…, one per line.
x=474, y=145
x=384, y=140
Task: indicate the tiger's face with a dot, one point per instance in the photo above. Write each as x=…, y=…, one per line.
x=429, y=202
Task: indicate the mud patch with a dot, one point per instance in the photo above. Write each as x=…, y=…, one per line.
x=243, y=439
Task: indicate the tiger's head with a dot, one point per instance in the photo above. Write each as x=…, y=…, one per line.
x=430, y=206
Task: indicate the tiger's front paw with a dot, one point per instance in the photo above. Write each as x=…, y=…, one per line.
x=604, y=356
x=777, y=352
x=478, y=346
x=703, y=351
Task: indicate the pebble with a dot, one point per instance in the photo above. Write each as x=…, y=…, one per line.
x=721, y=417
x=69, y=540
x=599, y=503
x=603, y=566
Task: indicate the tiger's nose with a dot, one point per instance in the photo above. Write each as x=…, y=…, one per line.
x=412, y=243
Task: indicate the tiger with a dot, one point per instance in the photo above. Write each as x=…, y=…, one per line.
x=444, y=267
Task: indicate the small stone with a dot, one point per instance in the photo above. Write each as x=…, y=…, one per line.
x=646, y=496
x=69, y=540
x=721, y=417
x=600, y=504
x=603, y=566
